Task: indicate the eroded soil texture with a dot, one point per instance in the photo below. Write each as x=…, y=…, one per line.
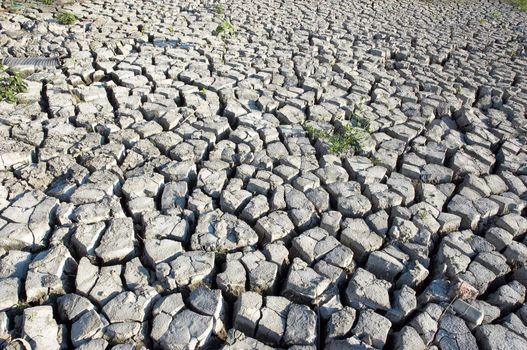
x=265, y=174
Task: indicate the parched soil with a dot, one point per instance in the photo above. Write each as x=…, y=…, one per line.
x=290, y=174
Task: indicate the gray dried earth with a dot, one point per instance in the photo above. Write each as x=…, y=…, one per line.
x=164, y=189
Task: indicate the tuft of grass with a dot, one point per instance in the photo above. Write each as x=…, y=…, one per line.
x=349, y=137
x=495, y=15
x=357, y=118
x=14, y=7
x=65, y=18
x=11, y=85
x=521, y=4
x=340, y=141
x=423, y=214
x=219, y=9
x=225, y=30
x=374, y=160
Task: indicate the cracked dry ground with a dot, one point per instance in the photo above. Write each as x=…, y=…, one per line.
x=160, y=190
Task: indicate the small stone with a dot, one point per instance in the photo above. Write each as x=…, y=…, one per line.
x=49, y=274
x=340, y=323
x=72, y=306
x=372, y=328
x=365, y=289
x=508, y=296
x=301, y=326
x=272, y=324
x=330, y=222
x=87, y=327
x=453, y=333
x=354, y=206
x=187, y=329
x=358, y=236
x=126, y=307
x=39, y=328
x=408, y=339
x=275, y=226
x=492, y=337
x=247, y=312
x=313, y=244
x=238, y=340
x=9, y=293
x=303, y=284
x=118, y=242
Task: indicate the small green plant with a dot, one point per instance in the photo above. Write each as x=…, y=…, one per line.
x=11, y=85
x=495, y=15
x=219, y=9
x=482, y=21
x=203, y=92
x=48, y=2
x=171, y=30
x=14, y=7
x=521, y=4
x=423, y=214
x=339, y=141
x=357, y=118
x=374, y=160
x=470, y=238
x=225, y=30
x=65, y=18
x=350, y=136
